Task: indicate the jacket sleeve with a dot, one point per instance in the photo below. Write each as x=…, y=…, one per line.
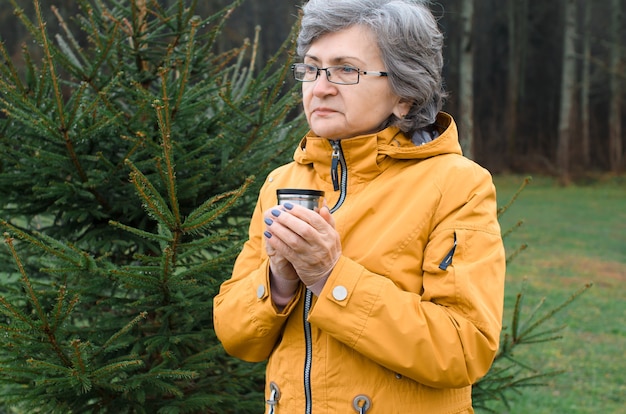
x=244, y=317
x=447, y=334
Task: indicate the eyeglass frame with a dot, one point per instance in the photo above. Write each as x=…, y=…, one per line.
x=359, y=72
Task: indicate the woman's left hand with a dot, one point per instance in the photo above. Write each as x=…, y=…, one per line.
x=308, y=240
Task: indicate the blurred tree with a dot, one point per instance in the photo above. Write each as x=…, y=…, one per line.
x=585, y=87
x=466, y=81
x=568, y=91
x=517, y=26
x=616, y=147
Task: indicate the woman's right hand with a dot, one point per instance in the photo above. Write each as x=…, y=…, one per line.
x=284, y=280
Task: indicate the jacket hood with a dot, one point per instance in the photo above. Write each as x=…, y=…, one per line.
x=369, y=155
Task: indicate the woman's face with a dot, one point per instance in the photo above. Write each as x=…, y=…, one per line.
x=342, y=111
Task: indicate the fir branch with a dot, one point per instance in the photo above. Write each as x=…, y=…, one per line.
x=503, y=209
x=47, y=49
x=204, y=215
x=206, y=267
x=10, y=330
x=141, y=233
x=193, y=247
x=75, y=110
x=153, y=202
x=184, y=76
x=59, y=315
x=530, y=328
x=513, y=255
x=69, y=35
x=49, y=368
x=135, y=279
x=220, y=62
x=223, y=15
x=500, y=381
x=34, y=300
x=121, y=332
x=78, y=359
x=27, y=111
x=9, y=69
x=164, y=121
x=67, y=52
x=513, y=228
x=12, y=311
x=137, y=144
x=116, y=368
x=53, y=247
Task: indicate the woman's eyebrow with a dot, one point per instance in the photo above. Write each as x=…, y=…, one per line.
x=335, y=60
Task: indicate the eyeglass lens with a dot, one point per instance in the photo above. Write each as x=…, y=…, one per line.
x=335, y=74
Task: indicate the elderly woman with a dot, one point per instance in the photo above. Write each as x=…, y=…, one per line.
x=388, y=299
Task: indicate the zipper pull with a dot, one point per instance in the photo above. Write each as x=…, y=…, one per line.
x=334, y=166
x=447, y=261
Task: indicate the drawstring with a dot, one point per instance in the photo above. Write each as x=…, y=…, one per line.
x=361, y=404
x=274, y=397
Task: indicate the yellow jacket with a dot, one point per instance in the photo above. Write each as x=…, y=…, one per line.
x=410, y=316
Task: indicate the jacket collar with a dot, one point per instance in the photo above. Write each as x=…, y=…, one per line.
x=368, y=155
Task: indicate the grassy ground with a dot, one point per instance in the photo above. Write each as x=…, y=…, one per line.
x=575, y=235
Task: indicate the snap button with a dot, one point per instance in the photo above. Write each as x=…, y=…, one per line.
x=260, y=291
x=340, y=292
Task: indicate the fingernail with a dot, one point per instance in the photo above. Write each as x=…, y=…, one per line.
x=275, y=213
x=268, y=221
x=288, y=206
x=267, y=234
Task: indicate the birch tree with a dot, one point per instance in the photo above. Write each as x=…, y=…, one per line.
x=568, y=80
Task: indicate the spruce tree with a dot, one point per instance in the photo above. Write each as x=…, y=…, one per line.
x=131, y=150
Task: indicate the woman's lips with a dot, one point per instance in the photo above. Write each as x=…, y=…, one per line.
x=323, y=111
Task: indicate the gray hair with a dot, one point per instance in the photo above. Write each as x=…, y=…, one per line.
x=409, y=40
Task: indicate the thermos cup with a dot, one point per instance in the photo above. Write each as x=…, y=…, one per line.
x=311, y=199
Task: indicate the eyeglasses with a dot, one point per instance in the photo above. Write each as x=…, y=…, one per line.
x=341, y=75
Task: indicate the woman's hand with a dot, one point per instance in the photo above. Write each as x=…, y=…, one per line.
x=306, y=239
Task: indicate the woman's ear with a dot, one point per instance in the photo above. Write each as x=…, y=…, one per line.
x=402, y=108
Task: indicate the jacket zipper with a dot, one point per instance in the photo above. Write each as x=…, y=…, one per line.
x=309, y=353
x=447, y=261
x=340, y=183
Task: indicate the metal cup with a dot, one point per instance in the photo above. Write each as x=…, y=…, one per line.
x=311, y=199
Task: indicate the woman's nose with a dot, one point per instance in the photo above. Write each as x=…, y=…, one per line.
x=322, y=86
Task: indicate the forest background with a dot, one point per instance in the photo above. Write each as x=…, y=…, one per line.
x=535, y=86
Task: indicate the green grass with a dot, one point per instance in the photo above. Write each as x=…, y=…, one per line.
x=575, y=235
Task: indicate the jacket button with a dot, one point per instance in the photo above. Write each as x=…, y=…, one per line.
x=340, y=293
x=260, y=291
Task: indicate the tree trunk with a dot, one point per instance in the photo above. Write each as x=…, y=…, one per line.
x=568, y=80
x=466, y=79
x=516, y=38
x=615, y=109
x=585, y=90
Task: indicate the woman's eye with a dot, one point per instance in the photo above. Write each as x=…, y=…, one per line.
x=348, y=69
